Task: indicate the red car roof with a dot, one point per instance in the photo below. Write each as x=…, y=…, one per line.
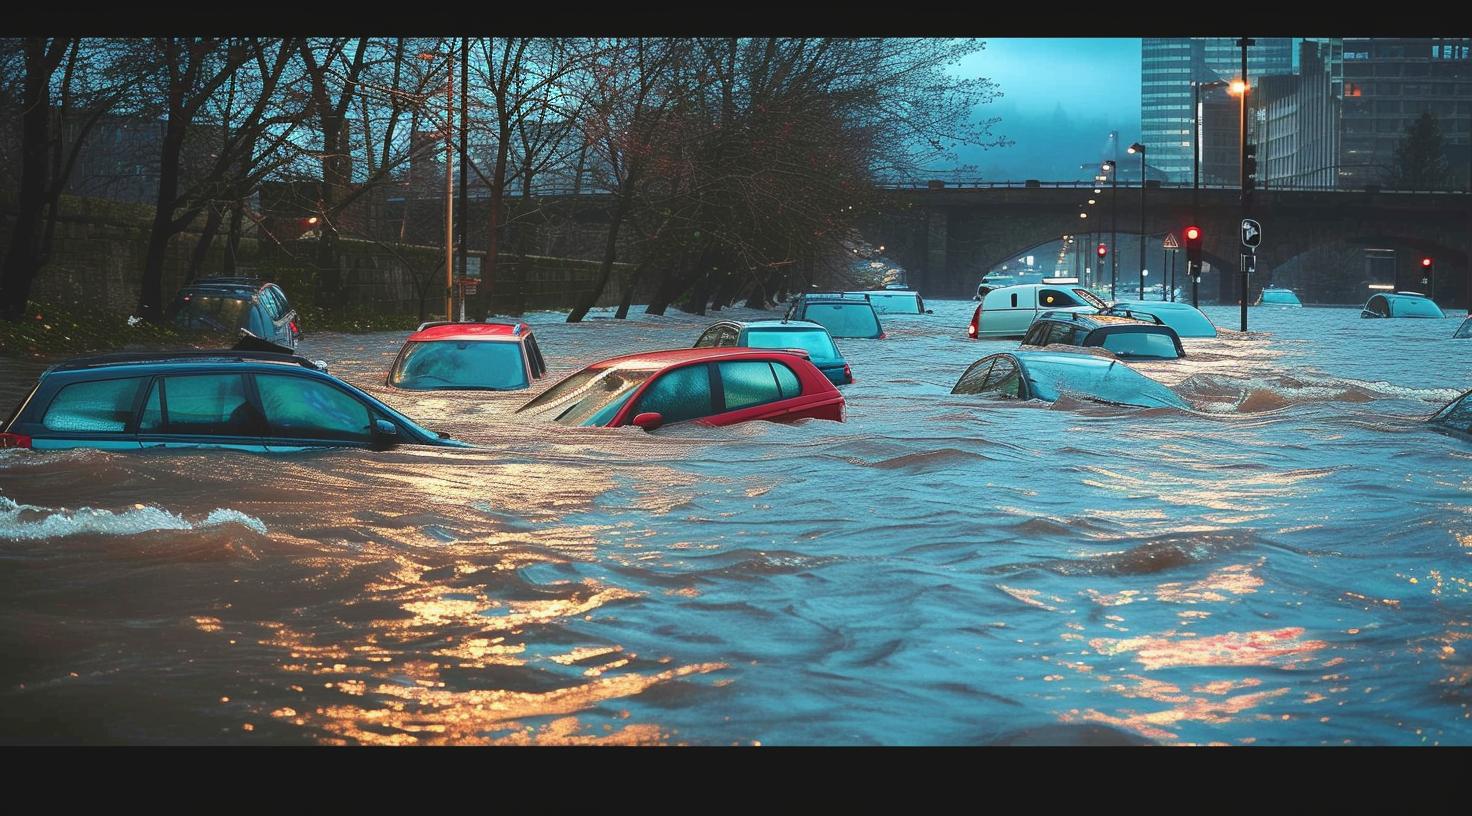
x=660, y=359
x=472, y=331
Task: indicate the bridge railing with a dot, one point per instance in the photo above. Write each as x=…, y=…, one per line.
x=1034, y=184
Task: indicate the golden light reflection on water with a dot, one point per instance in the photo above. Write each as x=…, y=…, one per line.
x=1273, y=647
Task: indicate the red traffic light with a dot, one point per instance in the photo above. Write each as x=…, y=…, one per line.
x=1425, y=261
x=1103, y=250
x=1192, y=233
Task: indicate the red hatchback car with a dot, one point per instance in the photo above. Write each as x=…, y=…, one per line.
x=715, y=386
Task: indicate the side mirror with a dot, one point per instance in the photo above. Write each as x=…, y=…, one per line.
x=385, y=434
x=649, y=420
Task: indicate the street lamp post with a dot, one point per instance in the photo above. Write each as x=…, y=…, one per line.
x=1242, y=166
x=1109, y=167
x=1139, y=148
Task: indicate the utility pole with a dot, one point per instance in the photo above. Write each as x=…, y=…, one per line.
x=464, y=148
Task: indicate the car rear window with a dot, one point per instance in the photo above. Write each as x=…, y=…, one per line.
x=814, y=341
x=1140, y=344
x=438, y=364
x=899, y=303
x=844, y=319
x=102, y=406
x=215, y=312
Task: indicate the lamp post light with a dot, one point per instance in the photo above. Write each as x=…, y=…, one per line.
x=449, y=182
x=1109, y=168
x=1140, y=149
x=1241, y=88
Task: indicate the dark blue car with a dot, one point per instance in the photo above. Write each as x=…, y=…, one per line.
x=241, y=400
x=782, y=334
x=843, y=314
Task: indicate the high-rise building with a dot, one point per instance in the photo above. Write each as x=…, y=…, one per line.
x=1169, y=66
x=1388, y=84
x=1297, y=120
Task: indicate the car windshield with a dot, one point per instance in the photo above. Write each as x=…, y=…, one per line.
x=815, y=341
x=219, y=313
x=1114, y=383
x=1140, y=344
x=1414, y=307
x=1090, y=298
x=1464, y=330
x=1457, y=414
x=844, y=319
x=1279, y=296
x=895, y=302
x=488, y=364
x=600, y=402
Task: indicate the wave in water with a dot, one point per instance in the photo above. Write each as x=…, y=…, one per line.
x=26, y=522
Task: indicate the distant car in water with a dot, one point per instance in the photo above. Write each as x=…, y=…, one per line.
x=1401, y=304
x=227, y=305
x=781, y=334
x=1455, y=415
x=1187, y=320
x=895, y=302
x=843, y=314
x=487, y=356
x=1464, y=330
x=713, y=386
x=1008, y=311
x=1045, y=375
x=1123, y=336
x=1278, y=297
x=251, y=401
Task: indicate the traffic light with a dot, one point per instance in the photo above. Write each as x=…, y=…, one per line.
x=1427, y=265
x=1193, y=250
x=1249, y=168
x=1103, y=250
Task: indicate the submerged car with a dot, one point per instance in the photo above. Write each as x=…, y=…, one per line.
x=1272, y=296
x=1187, y=320
x=843, y=314
x=895, y=301
x=782, y=334
x=1401, y=304
x=228, y=305
x=1464, y=330
x=1010, y=310
x=715, y=386
x=1046, y=375
x=1455, y=415
x=252, y=401
x=488, y=356
x=1123, y=336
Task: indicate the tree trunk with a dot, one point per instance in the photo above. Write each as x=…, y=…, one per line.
x=232, y=243
x=202, y=246
x=610, y=249
x=630, y=285
x=24, y=259
x=150, y=296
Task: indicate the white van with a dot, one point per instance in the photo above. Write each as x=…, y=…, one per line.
x=1008, y=311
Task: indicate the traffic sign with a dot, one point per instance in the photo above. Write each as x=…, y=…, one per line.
x=1170, y=241
x=1251, y=233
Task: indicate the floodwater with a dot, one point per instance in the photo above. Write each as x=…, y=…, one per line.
x=1290, y=565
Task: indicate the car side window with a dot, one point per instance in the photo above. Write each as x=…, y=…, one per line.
x=274, y=307
x=787, y=380
x=1003, y=381
x=748, y=382
x=973, y=378
x=1014, y=300
x=203, y=404
x=539, y=365
x=104, y=406
x=678, y=395
x=280, y=298
x=1060, y=333
x=1036, y=334
x=709, y=339
x=1379, y=306
x=1053, y=297
x=303, y=408
x=729, y=336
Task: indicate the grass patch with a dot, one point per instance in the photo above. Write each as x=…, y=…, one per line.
x=49, y=329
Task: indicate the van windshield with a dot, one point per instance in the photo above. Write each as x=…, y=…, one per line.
x=215, y=312
x=815, y=341
x=844, y=319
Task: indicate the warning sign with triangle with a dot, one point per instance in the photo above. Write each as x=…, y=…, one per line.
x=1170, y=241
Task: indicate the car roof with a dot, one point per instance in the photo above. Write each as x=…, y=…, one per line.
x=661, y=359
x=783, y=324
x=1098, y=320
x=471, y=331
x=836, y=297
x=1061, y=357
x=193, y=357
x=242, y=290
x=1404, y=294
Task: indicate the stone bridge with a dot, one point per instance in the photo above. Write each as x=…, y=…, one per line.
x=948, y=237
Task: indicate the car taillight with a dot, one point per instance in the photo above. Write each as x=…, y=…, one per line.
x=848, y=373
x=294, y=329
x=883, y=335
x=13, y=440
x=975, y=320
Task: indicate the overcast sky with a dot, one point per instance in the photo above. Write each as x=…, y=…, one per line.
x=1061, y=97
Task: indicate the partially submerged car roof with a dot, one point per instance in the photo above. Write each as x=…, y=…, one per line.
x=660, y=359
x=485, y=330
x=127, y=358
x=1187, y=320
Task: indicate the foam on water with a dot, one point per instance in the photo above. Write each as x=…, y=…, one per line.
x=25, y=522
